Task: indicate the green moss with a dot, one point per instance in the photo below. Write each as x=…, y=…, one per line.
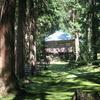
x=60, y=83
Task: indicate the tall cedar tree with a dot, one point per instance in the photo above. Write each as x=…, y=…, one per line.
x=8, y=80
x=32, y=38
x=76, y=35
x=94, y=31
x=20, y=57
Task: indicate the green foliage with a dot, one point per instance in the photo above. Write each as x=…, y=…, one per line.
x=87, y=21
x=54, y=17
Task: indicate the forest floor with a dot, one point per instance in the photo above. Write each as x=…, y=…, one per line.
x=59, y=82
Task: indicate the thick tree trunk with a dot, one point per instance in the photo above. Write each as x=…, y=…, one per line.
x=32, y=40
x=20, y=57
x=8, y=80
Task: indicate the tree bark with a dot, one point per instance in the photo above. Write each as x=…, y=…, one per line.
x=77, y=48
x=20, y=57
x=32, y=39
x=94, y=31
x=80, y=95
x=8, y=80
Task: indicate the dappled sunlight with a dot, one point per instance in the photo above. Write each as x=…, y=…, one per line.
x=60, y=96
x=88, y=83
x=60, y=82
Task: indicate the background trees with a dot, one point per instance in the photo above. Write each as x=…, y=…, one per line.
x=92, y=27
x=87, y=18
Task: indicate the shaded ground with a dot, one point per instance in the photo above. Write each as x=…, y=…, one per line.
x=59, y=83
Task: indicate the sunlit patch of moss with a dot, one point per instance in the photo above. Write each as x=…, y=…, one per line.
x=71, y=76
x=88, y=83
x=59, y=96
x=7, y=97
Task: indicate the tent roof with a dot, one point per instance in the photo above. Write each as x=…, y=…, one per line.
x=58, y=36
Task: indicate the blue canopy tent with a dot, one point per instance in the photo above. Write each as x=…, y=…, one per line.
x=58, y=36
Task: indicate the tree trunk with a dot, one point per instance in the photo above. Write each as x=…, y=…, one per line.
x=77, y=48
x=89, y=39
x=8, y=80
x=80, y=95
x=20, y=57
x=32, y=40
x=94, y=31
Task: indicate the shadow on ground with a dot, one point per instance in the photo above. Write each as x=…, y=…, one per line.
x=30, y=96
x=58, y=83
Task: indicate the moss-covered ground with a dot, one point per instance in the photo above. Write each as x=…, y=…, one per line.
x=59, y=82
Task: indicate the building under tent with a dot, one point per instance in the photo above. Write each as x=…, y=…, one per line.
x=59, y=42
